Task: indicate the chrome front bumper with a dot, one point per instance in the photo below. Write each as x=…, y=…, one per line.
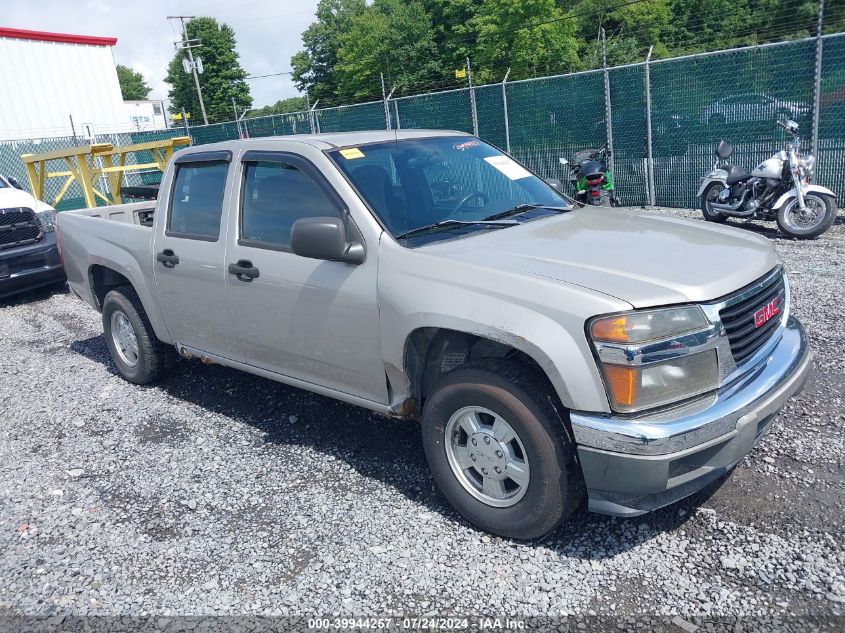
x=635, y=464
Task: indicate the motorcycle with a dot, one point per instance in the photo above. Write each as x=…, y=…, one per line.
x=591, y=178
x=779, y=189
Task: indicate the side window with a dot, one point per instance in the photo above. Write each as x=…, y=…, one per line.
x=275, y=195
x=197, y=200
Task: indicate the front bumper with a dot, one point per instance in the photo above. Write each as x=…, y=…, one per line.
x=633, y=465
x=28, y=267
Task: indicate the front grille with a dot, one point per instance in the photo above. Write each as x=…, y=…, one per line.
x=19, y=227
x=740, y=322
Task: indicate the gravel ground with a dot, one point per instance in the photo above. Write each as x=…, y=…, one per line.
x=222, y=493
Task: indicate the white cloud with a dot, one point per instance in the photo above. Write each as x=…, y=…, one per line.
x=268, y=33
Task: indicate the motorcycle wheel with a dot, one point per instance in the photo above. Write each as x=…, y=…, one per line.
x=710, y=194
x=817, y=217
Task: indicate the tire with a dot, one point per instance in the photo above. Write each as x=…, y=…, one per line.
x=522, y=397
x=709, y=214
x=152, y=358
x=787, y=225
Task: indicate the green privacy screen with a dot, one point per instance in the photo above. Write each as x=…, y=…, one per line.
x=735, y=95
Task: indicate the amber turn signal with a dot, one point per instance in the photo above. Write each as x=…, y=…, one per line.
x=623, y=382
x=611, y=329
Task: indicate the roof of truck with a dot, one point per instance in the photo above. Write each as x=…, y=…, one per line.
x=332, y=140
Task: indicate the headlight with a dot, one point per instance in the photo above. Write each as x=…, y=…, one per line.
x=638, y=327
x=47, y=219
x=808, y=163
x=658, y=357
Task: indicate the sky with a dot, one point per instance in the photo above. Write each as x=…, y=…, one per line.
x=267, y=33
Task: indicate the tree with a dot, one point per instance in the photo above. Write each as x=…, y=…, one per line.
x=393, y=37
x=314, y=66
x=291, y=104
x=531, y=37
x=222, y=79
x=133, y=86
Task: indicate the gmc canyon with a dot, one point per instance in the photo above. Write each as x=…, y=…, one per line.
x=550, y=352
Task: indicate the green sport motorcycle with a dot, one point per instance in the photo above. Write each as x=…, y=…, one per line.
x=591, y=177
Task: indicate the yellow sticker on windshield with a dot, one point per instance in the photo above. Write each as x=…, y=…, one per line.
x=351, y=152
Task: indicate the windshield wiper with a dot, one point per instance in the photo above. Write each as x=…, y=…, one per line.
x=525, y=207
x=451, y=222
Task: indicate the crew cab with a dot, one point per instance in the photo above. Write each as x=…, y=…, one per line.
x=551, y=353
x=29, y=258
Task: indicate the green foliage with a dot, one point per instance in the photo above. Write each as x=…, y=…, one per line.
x=532, y=37
x=418, y=44
x=393, y=37
x=222, y=79
x=314, y=66
x=133, y=86
x=291, y=104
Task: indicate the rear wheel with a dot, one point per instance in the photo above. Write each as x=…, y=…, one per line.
x=500, y=451
x=139, y=356
x=708, y=197
x=818, y=215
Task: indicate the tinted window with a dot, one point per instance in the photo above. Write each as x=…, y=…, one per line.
x=413, y=183
x=275, y=195
x=197, y=202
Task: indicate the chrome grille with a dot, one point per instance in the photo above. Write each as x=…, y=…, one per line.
x=19, y=227
x=739, y=316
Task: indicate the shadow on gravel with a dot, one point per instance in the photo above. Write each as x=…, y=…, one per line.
x=32, y=296
x=378, y=448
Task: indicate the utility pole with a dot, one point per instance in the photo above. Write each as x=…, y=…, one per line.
x=188, y=46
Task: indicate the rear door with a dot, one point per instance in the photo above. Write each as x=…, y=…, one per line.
x=309, y=319
x=189, y=254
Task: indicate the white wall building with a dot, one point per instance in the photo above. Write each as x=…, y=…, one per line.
x=47, y=78
x=146, y=115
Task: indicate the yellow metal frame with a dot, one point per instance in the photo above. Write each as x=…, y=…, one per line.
x=81, y=167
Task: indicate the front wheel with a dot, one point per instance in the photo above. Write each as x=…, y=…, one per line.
x=708, y=197
x=818, y=216
x=500, y=451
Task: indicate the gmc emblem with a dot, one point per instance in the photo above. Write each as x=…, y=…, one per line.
x=767, y=312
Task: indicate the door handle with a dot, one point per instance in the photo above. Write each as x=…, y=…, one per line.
x=168, y=258
x=244, y=270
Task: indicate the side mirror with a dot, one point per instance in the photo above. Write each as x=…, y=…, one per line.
x=324, y=238
x=555, y=183
x=14, y=182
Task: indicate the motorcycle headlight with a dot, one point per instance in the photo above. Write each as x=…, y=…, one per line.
x=652, y=358
x=807, y=164
x=47, y=219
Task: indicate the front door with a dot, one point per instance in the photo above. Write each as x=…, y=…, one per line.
x=314, y=320
x=189, y=256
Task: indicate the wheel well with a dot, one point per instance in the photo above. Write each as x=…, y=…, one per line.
x=103, y=279
x=431, y=352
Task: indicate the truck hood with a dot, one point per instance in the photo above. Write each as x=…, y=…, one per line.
x=11, y=198
x=643, y=259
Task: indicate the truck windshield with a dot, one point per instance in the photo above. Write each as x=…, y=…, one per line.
x=450, y=181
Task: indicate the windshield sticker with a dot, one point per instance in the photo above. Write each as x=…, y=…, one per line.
x=508, y=167
x=462, y=146
x=351, y=152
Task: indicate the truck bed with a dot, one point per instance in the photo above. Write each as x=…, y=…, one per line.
x=115, y=237
x=140, y=213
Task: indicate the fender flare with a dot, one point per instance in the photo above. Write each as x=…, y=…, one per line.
x=717, y=175
x=792, y=193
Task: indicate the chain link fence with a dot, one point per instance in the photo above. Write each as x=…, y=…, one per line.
x=694, y=102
